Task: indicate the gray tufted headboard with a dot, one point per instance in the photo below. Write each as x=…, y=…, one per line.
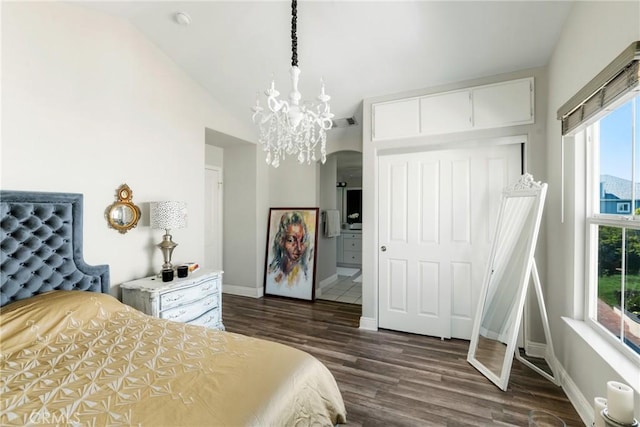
x=41, y=246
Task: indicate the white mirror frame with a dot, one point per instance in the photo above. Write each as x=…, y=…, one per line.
x=525, y=187
x=549, y=352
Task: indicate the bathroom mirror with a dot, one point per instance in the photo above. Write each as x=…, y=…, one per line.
x=353, y=208
x=123, y=215
x=499, y=314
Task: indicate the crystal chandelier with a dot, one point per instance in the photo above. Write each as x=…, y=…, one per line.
x=293, y=128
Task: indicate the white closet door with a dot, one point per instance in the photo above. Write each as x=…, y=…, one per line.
x=437, y=213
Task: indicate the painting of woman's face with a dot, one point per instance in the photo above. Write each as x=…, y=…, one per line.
x=291, y=252
x=294, y=242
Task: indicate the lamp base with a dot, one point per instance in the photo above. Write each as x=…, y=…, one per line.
x=166, y=247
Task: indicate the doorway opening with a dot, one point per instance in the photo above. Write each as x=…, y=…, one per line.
x=342, y=254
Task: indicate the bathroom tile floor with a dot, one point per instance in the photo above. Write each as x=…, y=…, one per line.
x=345, y=289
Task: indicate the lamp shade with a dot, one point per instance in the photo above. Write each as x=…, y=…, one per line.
x=168, y=215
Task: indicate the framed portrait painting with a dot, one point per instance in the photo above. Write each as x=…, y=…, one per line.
x=290, y=264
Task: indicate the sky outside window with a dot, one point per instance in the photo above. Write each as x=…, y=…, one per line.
x=615, y=143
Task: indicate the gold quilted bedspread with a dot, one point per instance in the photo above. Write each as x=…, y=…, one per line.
x=85, y=359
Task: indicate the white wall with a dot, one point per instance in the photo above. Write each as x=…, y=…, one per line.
x=293, y=185
x=262, y=213
x=240, y=229
x=89, y=104
x=245, y=211
x=213, y=156
x=594, y=34
x=345, y=139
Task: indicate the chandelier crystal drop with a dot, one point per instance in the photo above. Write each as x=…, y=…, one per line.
x=293, y=128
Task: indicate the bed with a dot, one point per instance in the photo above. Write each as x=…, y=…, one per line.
x=72, y=354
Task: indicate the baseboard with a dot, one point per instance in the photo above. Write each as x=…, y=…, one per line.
x=347, y=265
x=243, y=291
x=326, y=282
x=535, y=349
x=368, y=323
x=582, y=406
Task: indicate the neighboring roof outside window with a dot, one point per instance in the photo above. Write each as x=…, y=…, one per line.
x=620, y=188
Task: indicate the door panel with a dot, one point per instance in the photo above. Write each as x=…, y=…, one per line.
x=398, y=294
x=398, y=183
x=461, y=278
x=437, y=212
x=430, y=218
x=429, y=288
x=460, y=212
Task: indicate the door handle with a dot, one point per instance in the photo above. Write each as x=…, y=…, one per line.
x=383, y=248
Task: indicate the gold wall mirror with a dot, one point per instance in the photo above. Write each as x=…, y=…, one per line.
x=123, y=215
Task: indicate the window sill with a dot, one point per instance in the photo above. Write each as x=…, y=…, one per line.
x=627, y=369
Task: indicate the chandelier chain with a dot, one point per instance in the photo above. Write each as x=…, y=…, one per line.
x=294, y=36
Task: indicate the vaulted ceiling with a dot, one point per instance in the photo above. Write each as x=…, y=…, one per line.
x=360, y=48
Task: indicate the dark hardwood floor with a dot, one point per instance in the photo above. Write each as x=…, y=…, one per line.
x=391, y=378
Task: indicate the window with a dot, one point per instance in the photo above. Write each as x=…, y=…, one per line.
x=613, y=302
x=624, y=207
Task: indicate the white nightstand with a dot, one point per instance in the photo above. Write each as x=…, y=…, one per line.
x=195, y=299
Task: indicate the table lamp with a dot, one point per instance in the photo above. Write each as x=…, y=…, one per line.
x=168, y=216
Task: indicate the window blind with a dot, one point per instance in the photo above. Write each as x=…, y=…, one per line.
x=618, y=79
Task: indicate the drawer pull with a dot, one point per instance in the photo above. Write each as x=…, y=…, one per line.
x=175, y=298
x=178, y=314
x=206, y=288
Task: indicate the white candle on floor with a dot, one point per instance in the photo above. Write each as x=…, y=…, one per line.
x=599, y=403
x=620, y=402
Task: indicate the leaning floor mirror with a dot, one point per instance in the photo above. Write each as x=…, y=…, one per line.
x=511, y=265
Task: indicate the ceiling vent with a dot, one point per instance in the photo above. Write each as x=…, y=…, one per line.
x=344, y=123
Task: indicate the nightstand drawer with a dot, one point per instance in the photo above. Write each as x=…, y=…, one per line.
x=188, y=312
x=185, y=295
x=210, y=319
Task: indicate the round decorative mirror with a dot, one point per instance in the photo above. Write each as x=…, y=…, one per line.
x=123, y=215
